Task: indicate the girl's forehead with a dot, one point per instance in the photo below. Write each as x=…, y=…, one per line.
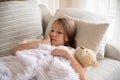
x=57, y=26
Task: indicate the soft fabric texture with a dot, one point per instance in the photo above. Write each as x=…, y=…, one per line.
x=46, y=16
x=113, y=50
x=90, y=34
x=95, y=21
x=108, y=69
x=18, y=20
x=37, y=64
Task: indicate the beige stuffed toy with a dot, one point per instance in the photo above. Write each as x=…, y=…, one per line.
x=85, y=57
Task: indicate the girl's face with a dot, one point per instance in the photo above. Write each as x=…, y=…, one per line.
x=57, y=35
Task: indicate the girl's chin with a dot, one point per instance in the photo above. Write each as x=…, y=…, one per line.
x=54, y=44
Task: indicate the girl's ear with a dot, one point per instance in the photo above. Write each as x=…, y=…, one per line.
x=66, y=39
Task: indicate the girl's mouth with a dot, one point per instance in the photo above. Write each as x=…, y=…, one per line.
x=53, y=39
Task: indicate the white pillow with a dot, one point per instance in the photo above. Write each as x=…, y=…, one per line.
x=85, y=17
x=18, y=20
x=90, y=34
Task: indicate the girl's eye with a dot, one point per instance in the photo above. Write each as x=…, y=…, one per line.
x=52, y=30
x=59, y=32
x=86, y=50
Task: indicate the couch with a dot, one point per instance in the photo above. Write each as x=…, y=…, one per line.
x=20, y=20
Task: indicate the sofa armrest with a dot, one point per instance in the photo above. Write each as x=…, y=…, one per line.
x=46, y=15
x=112, y=50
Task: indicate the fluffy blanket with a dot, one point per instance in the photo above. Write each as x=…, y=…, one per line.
x=36, y=64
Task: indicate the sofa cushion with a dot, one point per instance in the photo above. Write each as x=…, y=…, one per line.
x=85, y=17
x=90, y=34
x=46, y=15
x=112, y=50
x=108, y=69
x=18, y=20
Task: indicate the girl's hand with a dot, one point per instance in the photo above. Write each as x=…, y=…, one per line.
x=47, y=39
x=60, y=52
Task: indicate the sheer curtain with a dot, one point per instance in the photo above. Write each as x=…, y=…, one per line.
x=109, y=8
x=116, y=28
x=98, y=6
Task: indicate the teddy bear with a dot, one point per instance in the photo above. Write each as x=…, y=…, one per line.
x=86, y=57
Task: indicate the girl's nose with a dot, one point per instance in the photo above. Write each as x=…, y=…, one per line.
x=53, y=33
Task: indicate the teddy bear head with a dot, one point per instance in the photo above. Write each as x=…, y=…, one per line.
x=86, y=57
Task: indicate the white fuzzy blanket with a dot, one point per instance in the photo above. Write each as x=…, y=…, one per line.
x=36, y=64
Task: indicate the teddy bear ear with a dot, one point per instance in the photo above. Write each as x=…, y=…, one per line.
x=82, y=47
